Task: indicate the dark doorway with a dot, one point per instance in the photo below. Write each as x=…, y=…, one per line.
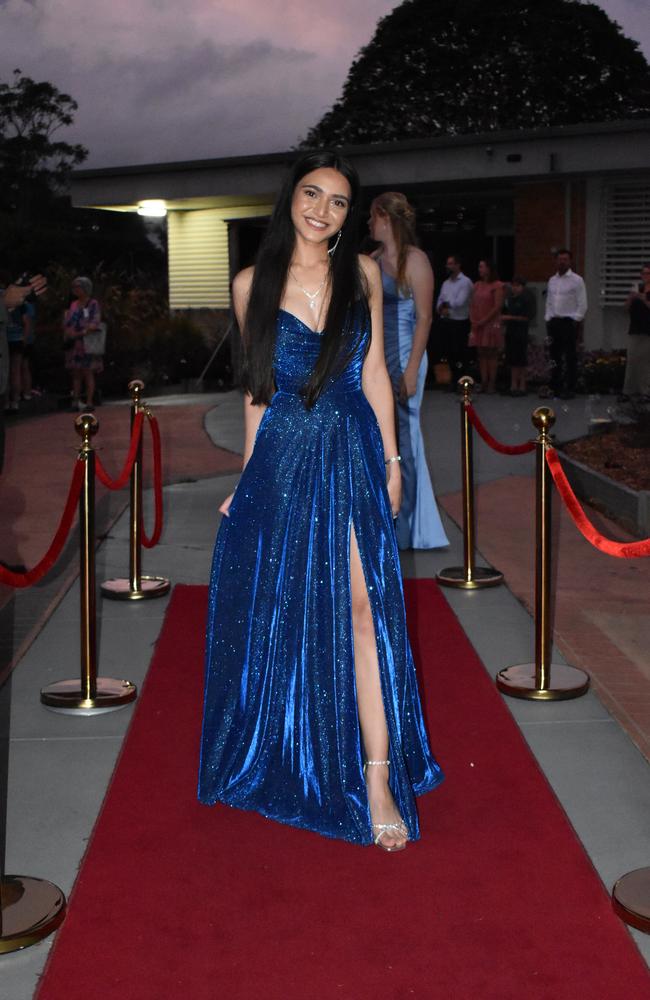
x=244, y=238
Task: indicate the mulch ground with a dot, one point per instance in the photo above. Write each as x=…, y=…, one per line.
x=623, y=454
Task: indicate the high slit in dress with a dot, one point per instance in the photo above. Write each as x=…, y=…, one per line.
x=280, y=727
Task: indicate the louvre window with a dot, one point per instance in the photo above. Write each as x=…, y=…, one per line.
x=626, y=240
x=199, y=268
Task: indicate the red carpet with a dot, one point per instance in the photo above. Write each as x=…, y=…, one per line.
x=178, y=901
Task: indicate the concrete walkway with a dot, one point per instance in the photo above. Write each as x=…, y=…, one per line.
x=59, y=766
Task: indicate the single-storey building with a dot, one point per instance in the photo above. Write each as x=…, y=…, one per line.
x=513, y=196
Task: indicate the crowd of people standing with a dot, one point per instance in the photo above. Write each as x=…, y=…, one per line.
x=491, y=319
x=82, y=352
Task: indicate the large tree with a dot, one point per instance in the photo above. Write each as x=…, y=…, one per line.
x=466, y=66
x=33, y=162
x=38, y=226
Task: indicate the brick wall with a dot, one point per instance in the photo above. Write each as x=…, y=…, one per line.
x=540, y=226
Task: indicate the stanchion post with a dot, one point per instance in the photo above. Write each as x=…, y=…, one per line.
x=631, y=899
x=135, y=525
x=30, y=908
x=542, y=680
x=468, y=576
x=93, y=694
x=137, y=587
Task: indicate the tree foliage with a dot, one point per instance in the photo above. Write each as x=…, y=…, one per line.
x=33, y=162
x=38, y=226
x=450, y=67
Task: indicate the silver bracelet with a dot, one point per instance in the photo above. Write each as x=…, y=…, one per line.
x=393, y=458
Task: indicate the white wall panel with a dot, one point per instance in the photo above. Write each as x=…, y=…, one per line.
x=199, y=271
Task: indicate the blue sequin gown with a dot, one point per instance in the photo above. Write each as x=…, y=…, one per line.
x=418, y=525
x=280, y=727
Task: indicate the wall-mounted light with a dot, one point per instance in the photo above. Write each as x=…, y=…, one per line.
x=153, y=208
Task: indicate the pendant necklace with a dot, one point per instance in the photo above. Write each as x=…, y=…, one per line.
x=312, y=296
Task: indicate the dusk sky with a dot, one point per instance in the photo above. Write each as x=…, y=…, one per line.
x=184, y=79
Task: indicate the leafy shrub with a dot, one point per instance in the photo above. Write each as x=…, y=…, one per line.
x=143, y=341
x=602, y=372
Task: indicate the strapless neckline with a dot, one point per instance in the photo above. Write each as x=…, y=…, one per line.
x=317, y=333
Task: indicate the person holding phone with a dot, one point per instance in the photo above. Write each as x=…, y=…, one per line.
x=11, y=296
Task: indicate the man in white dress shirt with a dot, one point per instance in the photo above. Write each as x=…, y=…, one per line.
x=566, y=305
x=453, y=308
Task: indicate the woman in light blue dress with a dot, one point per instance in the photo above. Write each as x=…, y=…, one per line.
x=408, y=309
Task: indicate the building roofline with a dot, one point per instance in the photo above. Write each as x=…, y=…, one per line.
x=402, y=145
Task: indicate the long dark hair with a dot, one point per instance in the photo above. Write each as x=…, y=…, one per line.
x=348, y=289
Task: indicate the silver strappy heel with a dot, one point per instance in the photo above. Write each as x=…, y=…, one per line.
x=387, y=828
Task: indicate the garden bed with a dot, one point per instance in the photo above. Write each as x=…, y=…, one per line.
x=621, y=453
x=611, y=471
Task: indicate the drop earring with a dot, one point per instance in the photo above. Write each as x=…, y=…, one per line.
x=332, y=249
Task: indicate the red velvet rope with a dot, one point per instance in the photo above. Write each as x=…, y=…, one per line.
x=123, y=478
x=622, y=550
x=504, y=449
x=20, y=580
x=149, y=543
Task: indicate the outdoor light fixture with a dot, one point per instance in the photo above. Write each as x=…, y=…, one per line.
x=153, y=208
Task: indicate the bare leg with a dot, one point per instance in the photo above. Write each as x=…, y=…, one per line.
x=372, y=718
x=15, y=363
x=89, y=377
x=26, y=376
x=76, y=384
x=483, y=367
x=519, y=378
x=492, y=366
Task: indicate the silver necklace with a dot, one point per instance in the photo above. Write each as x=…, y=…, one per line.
x=312, y=296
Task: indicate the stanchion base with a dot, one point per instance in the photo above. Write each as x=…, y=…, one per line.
x=631, y=899
x=119, y=589
x=31, y=909
x=68, y=698
x=482, y=576
x=566, y=682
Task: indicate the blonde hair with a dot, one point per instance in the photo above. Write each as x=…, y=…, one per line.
x=401, y=215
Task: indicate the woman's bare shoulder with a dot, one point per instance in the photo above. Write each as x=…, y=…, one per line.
x=416, y=254
x=369, y=266
x=241, y=283
x=241, y=290
x=418, y=266
x=417, y=262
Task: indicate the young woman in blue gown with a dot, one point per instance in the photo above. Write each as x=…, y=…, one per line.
x=312, y=715
x=408, y=310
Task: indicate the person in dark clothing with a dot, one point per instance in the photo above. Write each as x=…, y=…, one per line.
x=637, y=368
x=518, y=311
x=11, y=296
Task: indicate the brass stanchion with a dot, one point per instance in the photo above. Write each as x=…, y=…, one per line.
x=30, y=909
x=631, y=899
x=542, y=680
x=137, y=587
x=94, y=694
x=468, y=576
